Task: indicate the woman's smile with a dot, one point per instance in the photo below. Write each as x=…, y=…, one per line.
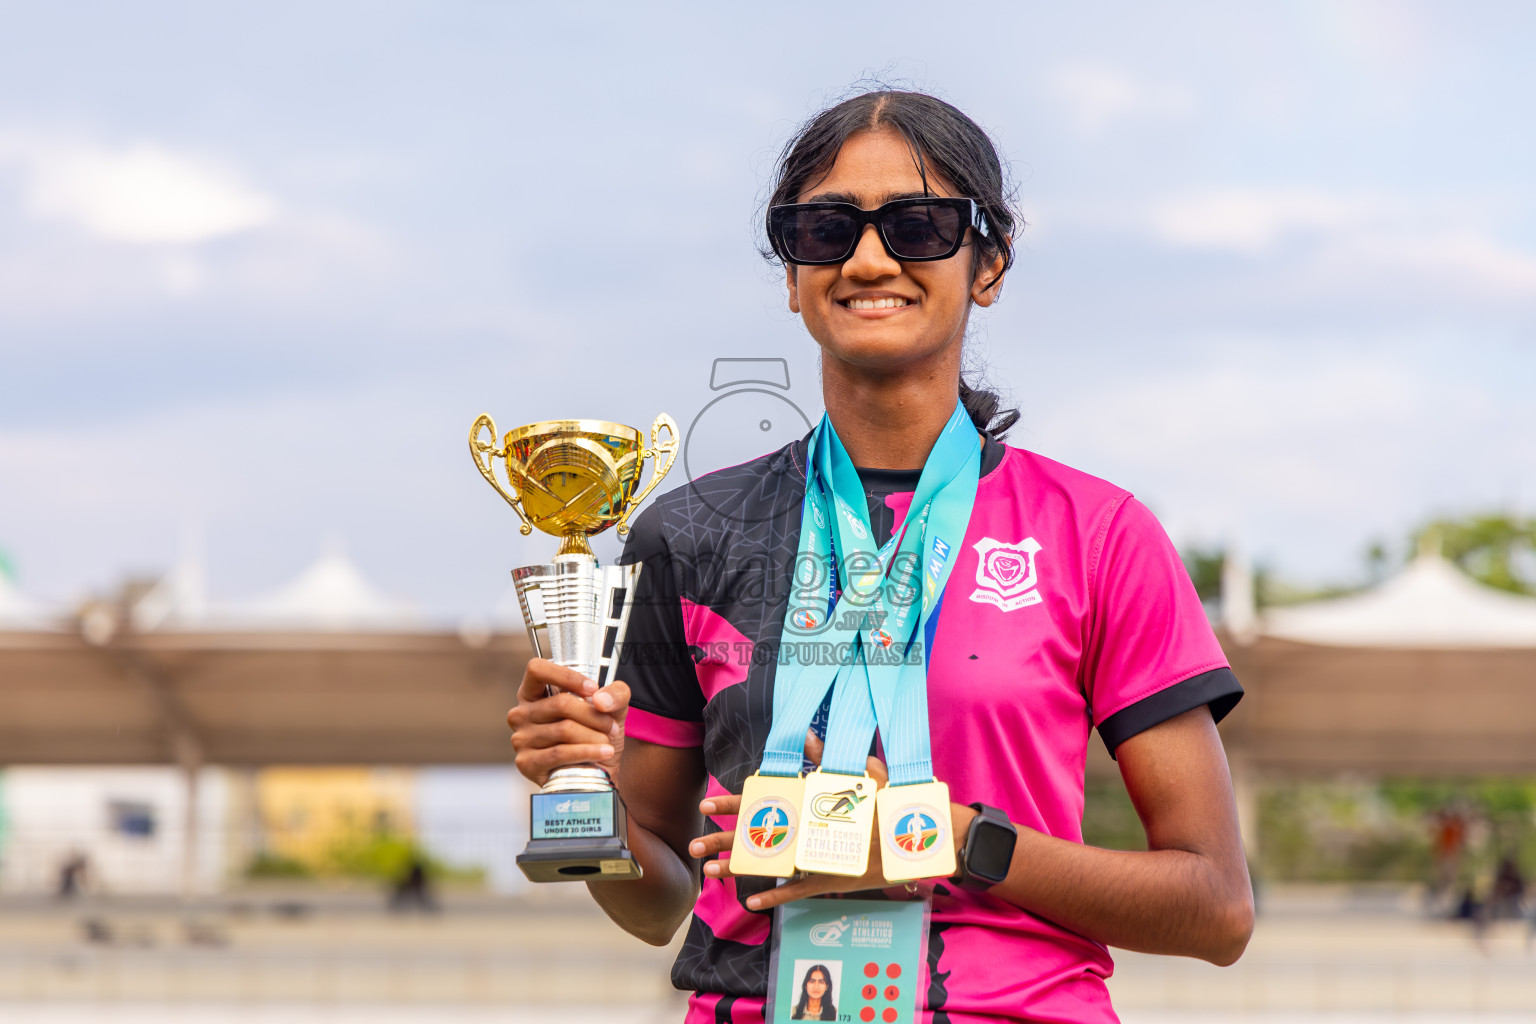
x=876, y=305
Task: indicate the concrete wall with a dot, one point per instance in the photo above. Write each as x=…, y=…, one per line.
x=128, y=822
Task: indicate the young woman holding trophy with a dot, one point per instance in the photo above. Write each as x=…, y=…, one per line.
x=929, y=620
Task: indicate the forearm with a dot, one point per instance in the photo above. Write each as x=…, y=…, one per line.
x=661, y=788
x=1188, y=893
x=653, y=906
x=1168, y=901
x=1153, y=901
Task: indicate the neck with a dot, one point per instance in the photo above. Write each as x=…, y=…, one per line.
x=889, y=421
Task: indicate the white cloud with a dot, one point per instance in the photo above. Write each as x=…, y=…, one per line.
x=1252, y=220
x=107, y=228
x=1095, y=95
x=144, y=194
x=1463, y=262
x=1355, y=245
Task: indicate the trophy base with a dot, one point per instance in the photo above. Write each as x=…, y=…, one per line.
x=578, y=860
x=579, y=830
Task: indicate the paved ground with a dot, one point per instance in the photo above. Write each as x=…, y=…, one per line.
x=1319, y=955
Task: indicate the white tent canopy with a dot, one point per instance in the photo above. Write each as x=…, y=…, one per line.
x=178, y=601
x=1430, y=604
x=17, y=611
x=330, y=595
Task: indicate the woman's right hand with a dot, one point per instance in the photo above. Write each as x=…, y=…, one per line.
x=563, y=719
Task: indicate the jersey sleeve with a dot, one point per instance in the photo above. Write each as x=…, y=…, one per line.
x=666, y=705
x=1152, y=654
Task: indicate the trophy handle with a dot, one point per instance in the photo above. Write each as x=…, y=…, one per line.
x=483, y=452
x=657, y=449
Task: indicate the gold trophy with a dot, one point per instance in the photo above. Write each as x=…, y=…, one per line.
x=574, y=479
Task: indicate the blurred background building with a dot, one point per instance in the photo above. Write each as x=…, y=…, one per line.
x=190, y=772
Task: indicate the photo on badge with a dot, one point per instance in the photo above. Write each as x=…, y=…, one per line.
x=819, y=982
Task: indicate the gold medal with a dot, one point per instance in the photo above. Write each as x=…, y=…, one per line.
x=836, y=824
x=917, y=839
x=767, y=825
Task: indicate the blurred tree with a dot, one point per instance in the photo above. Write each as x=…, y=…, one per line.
x=384, y=854
x=1496, y=549
x=1204, y=571
x=1376, y=561
x=7, y=566
x=275, y=865
x=1354, y=831
x=1109, y=817
x=1204, y=567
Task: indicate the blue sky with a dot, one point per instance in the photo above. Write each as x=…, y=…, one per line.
x=262, y=264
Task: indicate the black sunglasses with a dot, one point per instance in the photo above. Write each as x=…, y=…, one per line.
x=912, y=230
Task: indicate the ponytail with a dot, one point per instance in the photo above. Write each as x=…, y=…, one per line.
x=985, y=409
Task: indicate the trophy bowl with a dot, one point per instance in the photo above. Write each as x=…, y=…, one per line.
x=573, y=478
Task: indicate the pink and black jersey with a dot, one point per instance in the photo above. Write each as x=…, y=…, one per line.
x=1068, y=609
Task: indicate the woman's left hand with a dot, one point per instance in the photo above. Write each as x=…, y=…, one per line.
x=719, y=843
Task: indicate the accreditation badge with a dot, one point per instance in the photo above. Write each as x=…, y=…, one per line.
x=917, y=838
x=767, y=825
x=836, y=826
x=848, y=960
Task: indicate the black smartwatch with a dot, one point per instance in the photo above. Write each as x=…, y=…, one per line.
x=988, y=849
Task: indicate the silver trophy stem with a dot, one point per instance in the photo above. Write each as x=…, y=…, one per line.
x=576, y=612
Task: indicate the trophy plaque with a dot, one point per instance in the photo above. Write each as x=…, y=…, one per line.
x=574, y=479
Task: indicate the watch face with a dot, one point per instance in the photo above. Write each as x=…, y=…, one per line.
x=989, y=851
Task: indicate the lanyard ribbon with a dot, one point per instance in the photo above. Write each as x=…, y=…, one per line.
x=876, y=676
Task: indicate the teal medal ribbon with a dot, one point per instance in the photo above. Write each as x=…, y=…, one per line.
x=862, y=645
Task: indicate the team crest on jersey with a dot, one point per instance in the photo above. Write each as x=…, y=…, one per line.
x=805, y=620
x=1005, y=573
x=770, y=824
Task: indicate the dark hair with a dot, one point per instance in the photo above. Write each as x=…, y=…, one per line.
x=943, y=140
x=828, y=1011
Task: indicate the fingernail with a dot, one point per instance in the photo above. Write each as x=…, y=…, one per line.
x=614, y=732
x=708, y=807
x=754, y=902
x=697, y=849
x=605, y=751
x=589, y=686
x=712, y=869
x=603, y=702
